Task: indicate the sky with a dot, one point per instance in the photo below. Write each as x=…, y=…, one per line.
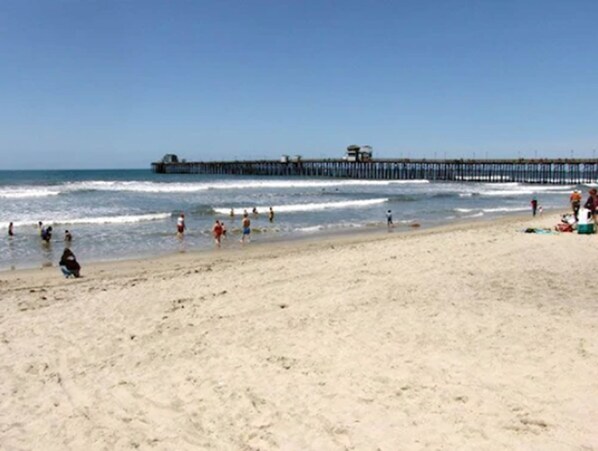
x=118, y=84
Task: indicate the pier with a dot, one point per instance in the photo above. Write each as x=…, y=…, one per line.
x=546, y=171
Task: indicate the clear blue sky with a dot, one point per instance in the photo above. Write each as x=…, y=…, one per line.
x=109, y=84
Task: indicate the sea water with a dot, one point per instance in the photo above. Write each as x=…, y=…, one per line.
x=118, y=214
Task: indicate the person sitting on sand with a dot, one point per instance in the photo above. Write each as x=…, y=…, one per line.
x=69, y=264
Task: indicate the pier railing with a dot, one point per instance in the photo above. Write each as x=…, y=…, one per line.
x=555, y=171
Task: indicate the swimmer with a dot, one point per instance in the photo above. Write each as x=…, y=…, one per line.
x=271, y=215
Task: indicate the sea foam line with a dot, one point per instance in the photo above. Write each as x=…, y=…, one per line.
x=175, y=187
x=126, y=219
x=294, y=208
x=27, y=193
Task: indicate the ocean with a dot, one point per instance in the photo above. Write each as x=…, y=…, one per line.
x=119, y=214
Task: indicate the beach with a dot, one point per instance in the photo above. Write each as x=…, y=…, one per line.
x=467, y=336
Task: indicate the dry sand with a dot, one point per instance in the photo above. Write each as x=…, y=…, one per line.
x=470, y=337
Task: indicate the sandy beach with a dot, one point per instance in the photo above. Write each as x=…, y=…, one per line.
x=469, y=337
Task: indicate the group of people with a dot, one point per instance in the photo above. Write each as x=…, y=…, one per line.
x=45, y=233
x=219, y=229
x=68, y=263
x=591, y=204
x=255, y=213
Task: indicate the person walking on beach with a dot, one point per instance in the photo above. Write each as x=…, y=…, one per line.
x=534, y=206
x=10, y=231
x=217, y=232
x=389, y=224
x=180, y=225
x=575, y=200
x=271, y=215
x=246, y=223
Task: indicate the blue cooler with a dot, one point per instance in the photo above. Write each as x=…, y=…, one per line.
x=585, y=229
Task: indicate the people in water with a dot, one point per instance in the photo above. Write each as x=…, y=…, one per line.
x=46, y=234
x=217, y=231
x=232, y=213
x=10, y=230
x=68, y=237
x=246, y=224
x=389, y=224
x=575, y=200
x=40, y=227
x=534, y=204
x=69, y=264
x=271, y=215
x=180, y=225
x=254, y=211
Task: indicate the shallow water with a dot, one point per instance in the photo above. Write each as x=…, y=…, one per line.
x=119, y=214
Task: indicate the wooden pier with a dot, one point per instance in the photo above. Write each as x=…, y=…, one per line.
x=557, y=171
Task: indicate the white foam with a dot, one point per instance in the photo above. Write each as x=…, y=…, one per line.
x=293, y=208
x=176, y=187
x=504, y=209
x=25, y=192
x=320, y=227
x=126, y=219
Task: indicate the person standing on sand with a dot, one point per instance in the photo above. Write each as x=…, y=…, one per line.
x=534, y=203
x=180, y=225
x=575, y=200
x=271, y=215
x=217, y=232
x=246, y=223
x=592, y=204
x=10, y=232
x=389, y=224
